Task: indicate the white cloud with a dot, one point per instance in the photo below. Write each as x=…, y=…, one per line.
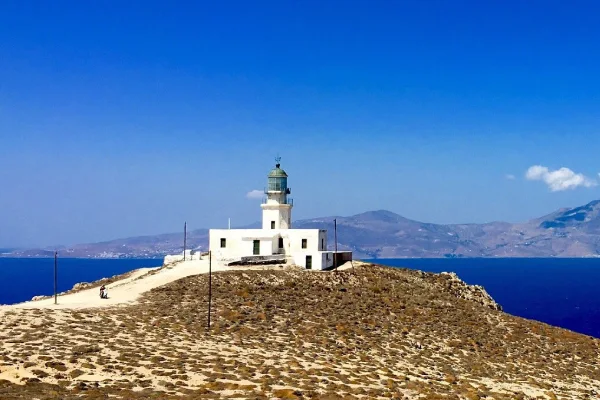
x=560, y=179
x=255, y=194
x=510, y=177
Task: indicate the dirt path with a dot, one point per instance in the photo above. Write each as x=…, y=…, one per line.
x=125, y=291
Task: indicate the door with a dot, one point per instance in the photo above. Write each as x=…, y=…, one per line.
x=256, y=247
x=308, y=262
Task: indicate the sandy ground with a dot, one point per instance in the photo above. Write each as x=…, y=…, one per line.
x=124, y=291
x=127, y=291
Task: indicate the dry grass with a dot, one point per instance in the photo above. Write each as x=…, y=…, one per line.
x=374, y=332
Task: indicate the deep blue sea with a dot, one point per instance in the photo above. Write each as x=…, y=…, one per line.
x=561, y=292
x=557, y=291
x=23, y=278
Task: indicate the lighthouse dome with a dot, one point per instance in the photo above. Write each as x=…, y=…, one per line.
x=278, y=179
x=277, y=172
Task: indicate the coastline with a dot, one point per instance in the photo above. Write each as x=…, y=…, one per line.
x=123, y=289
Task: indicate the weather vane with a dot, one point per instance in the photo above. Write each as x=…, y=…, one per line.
x=277, y=159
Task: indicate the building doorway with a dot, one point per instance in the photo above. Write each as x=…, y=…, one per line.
x=308, y=262
x=256, y=247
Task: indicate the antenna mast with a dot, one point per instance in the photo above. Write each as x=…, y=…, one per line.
x=184, y=238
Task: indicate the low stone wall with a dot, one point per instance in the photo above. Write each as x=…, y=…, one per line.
x=171, y=259
x=261, y=260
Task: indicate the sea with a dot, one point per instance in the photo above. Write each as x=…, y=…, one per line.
x=558, y=291
x=23, y=278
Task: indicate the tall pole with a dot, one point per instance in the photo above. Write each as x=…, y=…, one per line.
x=209, y=286
x=55, y=276
x=335, y=236
x=184, y=238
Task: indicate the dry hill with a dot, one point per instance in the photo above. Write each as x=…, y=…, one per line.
x=371, y=332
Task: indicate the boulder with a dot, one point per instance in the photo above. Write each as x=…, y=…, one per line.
x=465, y=291
x=81, y=285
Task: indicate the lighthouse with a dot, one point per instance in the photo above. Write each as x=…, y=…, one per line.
x=276, y=242
x=277, y=206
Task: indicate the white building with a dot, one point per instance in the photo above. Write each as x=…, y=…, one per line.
x=277, y=241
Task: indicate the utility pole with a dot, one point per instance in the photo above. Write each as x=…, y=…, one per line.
x=209, y=286
x=55, y=276
x=184, y=238
x=335, y=236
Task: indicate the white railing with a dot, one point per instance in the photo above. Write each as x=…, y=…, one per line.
x=285, y=201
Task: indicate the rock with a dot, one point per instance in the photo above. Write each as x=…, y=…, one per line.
x=465, y=291
x=37, y=298
x=81, y=285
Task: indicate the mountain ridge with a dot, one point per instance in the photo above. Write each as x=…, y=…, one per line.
x=566, y=232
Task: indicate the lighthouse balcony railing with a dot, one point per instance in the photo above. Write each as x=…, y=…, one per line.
x=284, y=201
x=277, y=188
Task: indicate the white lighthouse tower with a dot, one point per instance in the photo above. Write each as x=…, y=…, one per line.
x=276, y=242
x=277, y=207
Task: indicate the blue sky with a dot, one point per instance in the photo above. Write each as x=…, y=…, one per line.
x=128, y=118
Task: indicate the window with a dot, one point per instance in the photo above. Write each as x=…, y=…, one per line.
x=272, y=224
x=322, y=244
x=303, y=243
x=281, y=243
x=223, y=242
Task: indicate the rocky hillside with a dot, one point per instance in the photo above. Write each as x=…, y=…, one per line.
x=365, y=333
x=382, y=234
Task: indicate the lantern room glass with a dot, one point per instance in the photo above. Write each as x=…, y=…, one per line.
x=277, y=184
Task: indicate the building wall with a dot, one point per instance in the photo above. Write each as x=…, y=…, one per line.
x=327, y=261
x=295, y=237
x=320, y=259
x=299, y=258
x=322, y=240
x=281, y=214
x=239, y=242
x=276, y=198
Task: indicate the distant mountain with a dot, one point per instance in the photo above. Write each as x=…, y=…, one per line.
x=572, y=232
x=7, y=249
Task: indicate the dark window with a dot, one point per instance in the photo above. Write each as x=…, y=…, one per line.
x=223, y=242
x=322, y=244
x=256, y=247
x=272, y=224
x=281, y=243
x=303, y=243
x=308, y=262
